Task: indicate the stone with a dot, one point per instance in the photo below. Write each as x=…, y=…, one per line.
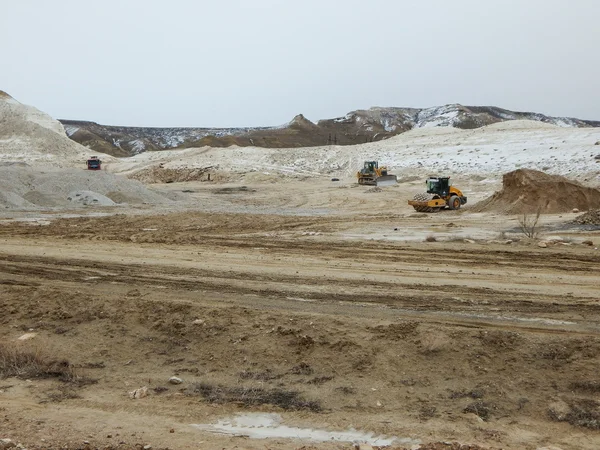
x=175, y=380
x=542, y=244
x=588, y=242
x=27, y=336
x=575, y=210
x=139, y=393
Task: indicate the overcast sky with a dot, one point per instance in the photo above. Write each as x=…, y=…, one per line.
x=260, y=62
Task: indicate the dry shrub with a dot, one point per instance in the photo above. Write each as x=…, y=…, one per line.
x=481, y=409
x=555, y=352
x=396, y=331
x=586, y=386
x=430, y=238
x=434, y=343
x=529, y=224
x=320, y=380
x=302, y=369
x=474, y=394
x=501, y=340
x=581, y=413
x=64, y=392
x=266, y=375
x=254, y=396
x=427, y=412
x=346, y=390
x=32, y=362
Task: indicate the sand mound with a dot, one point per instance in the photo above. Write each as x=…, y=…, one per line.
x=589, y=218
x=29, y=188
x=30, y=135
x=526, y=191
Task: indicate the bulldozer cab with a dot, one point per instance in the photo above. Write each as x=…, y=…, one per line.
x=438, y=185
x=370, y=166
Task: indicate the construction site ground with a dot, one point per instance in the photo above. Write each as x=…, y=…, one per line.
x=334, y=306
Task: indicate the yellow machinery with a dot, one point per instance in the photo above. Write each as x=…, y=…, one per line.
x=373, y=175
x=440, y=194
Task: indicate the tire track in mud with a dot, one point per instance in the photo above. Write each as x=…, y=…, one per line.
x=432, y=303
x=194, y=278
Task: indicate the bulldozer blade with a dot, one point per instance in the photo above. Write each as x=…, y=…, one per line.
x=387, y=180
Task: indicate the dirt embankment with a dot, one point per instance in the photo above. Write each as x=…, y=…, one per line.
x=161, y=174
x=526, y=191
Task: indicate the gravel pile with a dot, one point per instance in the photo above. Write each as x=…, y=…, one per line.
x=591, y=217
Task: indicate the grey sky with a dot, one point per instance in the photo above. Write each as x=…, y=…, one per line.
x=260, y=62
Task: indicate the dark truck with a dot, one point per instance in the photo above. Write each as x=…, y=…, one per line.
x=94, y=163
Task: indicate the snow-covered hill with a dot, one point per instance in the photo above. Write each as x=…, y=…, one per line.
x=356, y=127
x=485, y=152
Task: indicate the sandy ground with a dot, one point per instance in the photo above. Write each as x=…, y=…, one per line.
x=317, y=301
x=296, y=312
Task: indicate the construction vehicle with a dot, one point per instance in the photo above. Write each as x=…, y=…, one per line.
x=94, y=163
x=440, y=194
x=373, y=175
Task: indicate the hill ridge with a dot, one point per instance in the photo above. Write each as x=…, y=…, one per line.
x=356, y=127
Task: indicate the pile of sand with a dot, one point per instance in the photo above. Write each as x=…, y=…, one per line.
x=32, y=136
x=29, y=188
x=526, y=191
x=589, y=218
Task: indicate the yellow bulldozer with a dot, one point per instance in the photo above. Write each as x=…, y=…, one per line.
x=373, y=175
x=440, y=194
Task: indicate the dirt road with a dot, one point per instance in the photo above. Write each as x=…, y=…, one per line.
x=427, y=341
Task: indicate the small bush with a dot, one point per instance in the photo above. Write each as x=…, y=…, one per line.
x=21, y=362
x=253, y=396
x=346, y=390
x=474, y=394
x=582, y=413
x=529, y=224
x=434, y=343
x=266, y=375
x=320, y=380
x=481, y=409
x=302, y=369
x=586, y=386
x=430, y=238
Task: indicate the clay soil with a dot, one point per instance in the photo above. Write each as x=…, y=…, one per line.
x=331, y=320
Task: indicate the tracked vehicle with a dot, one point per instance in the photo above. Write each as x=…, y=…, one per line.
x=373, y=175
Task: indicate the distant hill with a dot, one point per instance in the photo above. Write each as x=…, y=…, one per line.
x=356, y=127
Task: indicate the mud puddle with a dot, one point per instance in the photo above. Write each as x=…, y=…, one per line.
x=270, y=426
